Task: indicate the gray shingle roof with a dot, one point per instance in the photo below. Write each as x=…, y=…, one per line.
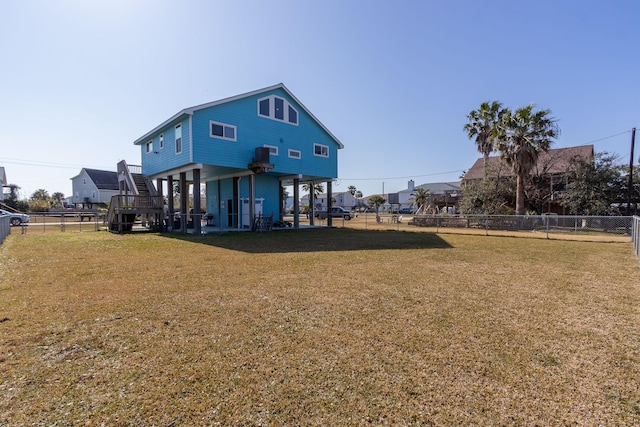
x=104, y=180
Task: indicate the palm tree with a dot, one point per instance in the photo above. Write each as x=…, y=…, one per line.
x=40, y=194
x=377, y=201
x=58, y=199
x=483, y=126
x=317, y=190
x=355, y=193
x=521, y=137
x=420, y=197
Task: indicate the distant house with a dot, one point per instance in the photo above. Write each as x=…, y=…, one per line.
x=244, y=149
x=553, y=162
x=93, y=187
x=444, y=195
x=551, y=168
x=343, y=199
x=3, y=182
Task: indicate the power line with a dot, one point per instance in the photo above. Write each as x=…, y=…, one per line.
x=70, y=166
x=607, y=137
x=401, y=177
x=43, y=164
x=462, y=170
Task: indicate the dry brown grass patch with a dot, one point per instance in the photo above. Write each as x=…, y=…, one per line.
x=317, y=327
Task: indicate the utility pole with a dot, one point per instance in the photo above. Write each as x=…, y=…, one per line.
x=630, y=189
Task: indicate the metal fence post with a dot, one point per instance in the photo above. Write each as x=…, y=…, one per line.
x=548, y=222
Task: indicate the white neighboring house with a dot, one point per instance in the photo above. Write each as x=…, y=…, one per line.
x=94, y=186
x=445, y=193
x=3, y=182
x=344, y=199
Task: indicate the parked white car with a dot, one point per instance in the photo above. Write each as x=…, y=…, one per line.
x=16, y=218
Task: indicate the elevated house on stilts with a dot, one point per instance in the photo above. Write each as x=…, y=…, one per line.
x=240, y=152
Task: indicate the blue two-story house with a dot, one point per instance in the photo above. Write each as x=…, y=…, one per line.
x=246, y=149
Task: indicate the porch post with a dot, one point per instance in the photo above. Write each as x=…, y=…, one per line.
x=197, y=214
x=329, y=205
x=296, y=203
x=312, y=201
x=252, y=200
x=171, y=207
x=159, y=185
x=160, y=219
x=184, y=201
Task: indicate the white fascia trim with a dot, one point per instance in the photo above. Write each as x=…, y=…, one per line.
x=340, y=145
x=191, y=138
x=190, y=111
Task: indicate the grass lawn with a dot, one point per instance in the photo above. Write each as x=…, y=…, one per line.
x=317, y=327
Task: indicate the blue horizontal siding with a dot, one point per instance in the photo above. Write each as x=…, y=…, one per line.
x=160, y=160
x=254, y=131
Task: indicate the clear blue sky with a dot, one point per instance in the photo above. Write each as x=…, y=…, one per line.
x=393, y=80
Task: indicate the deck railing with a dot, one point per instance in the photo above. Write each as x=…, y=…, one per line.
x=131, y=202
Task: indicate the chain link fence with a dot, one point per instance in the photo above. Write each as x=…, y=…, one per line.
x=44, y=222
x=623, y=228
x=584, y=227
x=614, y=225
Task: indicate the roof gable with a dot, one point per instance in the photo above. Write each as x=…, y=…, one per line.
x=554, y=161
x=439, y=187
x=189, y=112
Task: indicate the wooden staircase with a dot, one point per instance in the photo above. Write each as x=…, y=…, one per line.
x=138, y=202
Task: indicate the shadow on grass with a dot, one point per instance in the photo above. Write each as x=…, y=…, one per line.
x=316, y=240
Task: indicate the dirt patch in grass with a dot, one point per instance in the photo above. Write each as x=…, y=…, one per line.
x=317, y=327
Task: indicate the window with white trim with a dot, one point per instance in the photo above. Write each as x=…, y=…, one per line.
x=161, y=141
x=222, y=131
x=178, y=133
x=276, y=108
x=149, y=146
x=295, y=154
x=320, y=150
x=273, y=150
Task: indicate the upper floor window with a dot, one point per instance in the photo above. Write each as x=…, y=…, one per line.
x=294, y=154
x=277, y=108
x=149, y=146
x=272, y=149
x=178, y=132
x=222, y=131
x=161, y=142
x=320, y=150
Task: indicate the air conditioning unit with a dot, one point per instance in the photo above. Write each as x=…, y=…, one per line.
x=262, y=155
